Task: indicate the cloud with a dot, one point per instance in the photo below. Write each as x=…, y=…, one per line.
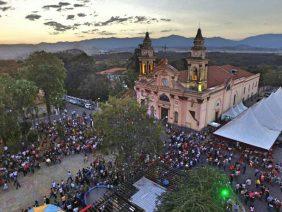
x=81, y=14
x=58, y=6
x=139, y=19
x=33, y=17
x=63, y=4
x=5, y=8
x=51, y=6
x=131, y=19
x=165, y=19
x=113, y=19
x=3, y=2
x=87, y=24
x=76, y=25
x=147, y=20
x=106, y=33
x=79, y=5
x=169, y=30
x=91, y=31
x=70, y=17
x=57, y=26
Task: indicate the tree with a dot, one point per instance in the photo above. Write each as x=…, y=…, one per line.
x=9, y=125
x=79, y=66
x=127, y=131
x=49, y=74
x=24, y=94
x=207, y=189
x=94, y=87
x=131, y=77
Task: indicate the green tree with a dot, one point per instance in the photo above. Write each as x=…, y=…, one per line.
x=49, y=74
x=126, y=130
x=201, y=193
x=131, y=77
x=94, y=87
x=9, y=125
x=24, y=94
x=79, y=66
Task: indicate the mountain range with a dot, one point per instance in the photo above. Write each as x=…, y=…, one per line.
x=259, y=43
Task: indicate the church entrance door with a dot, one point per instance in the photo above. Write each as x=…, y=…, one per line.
x=164, y=114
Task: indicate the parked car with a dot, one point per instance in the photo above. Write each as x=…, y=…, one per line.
x=89, y=106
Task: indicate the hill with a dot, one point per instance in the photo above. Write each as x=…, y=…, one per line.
x=259, y=43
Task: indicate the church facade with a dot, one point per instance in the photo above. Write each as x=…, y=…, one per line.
x=193, y=97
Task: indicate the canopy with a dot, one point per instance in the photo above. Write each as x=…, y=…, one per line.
x=147, y=195
x=234, y=111
x=258, y=126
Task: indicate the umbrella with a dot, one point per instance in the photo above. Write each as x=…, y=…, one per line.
x=46, y=208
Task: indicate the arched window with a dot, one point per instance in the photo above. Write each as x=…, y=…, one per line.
x=195, y=74
x=164, y=98
x=176, y=117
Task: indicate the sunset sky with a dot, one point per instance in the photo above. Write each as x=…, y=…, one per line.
x=35, y=21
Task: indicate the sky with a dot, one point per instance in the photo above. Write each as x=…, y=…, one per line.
x=35, y=21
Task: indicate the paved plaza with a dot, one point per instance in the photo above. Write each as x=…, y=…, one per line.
x=35, y=186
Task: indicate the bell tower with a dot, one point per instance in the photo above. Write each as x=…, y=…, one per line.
x=198, y=64
x=146, y=56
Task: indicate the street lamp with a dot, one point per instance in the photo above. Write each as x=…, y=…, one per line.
x=224, y=193
x=98, y=102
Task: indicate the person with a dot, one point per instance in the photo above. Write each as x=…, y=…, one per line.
x=17, y=184
x=244, y=166
x=85, y=159
x=236, y=207
x=36, y=204
x=5, y=186
x=248, y=182
x=69, y=176
x=252, y=208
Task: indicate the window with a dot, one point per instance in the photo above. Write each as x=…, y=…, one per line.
x=165, y=82
x=244, y=90
x=176, y=117
x=193, y=114
x=164, y=98
x=234, y=100
x=195, y=74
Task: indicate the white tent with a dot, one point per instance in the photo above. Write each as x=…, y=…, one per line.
x=234, y=111
x=259, y=126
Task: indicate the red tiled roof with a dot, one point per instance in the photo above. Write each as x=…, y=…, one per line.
x=112, y=71
x=218, y=75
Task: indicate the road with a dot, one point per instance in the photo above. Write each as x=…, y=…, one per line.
x=70, y=108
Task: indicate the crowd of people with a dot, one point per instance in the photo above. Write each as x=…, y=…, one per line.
x=252, y=173
x=66, y=136
x=69, y=193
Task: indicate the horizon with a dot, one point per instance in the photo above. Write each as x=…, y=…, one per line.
x=137, y=37
x=74, y=20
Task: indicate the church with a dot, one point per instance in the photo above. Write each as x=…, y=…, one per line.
x=193, y=97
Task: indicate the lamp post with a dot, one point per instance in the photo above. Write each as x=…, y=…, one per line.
x=98, y=102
